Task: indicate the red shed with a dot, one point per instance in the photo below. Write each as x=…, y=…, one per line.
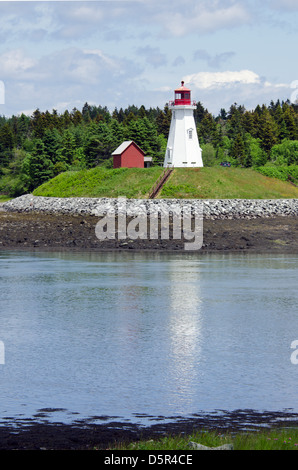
x=128, y=155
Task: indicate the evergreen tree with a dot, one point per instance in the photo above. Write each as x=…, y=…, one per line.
x=68, y=147
x=76, y=117
x=163, y=121
x=121, y=115
x=6, y=138
x=86, y=112
x=290, y=123
x=52, y=141
x=92, y=150
x=40, y=167
x=207, y=129
x=66, y=118
x=234, y=121
x=238, y=151
x=99, y=144
x=267, y=132
x=199, y=112
x=117, y=132
x=129, y=117
x=249, y=123
x=278, y=117
x=143, y=132
x=37, y=124
x=23, y=129
x=223, y=115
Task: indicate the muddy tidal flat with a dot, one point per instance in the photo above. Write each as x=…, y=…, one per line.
x=49, y=232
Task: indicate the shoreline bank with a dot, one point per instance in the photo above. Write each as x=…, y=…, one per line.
x=31, y=231
x=55, y=224
x=86, y=435
x=211, y=208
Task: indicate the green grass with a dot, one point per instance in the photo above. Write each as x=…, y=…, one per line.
x=187, y=183
x=4, y=198
x=276, y=439
x=101, y=182
x=225, y=183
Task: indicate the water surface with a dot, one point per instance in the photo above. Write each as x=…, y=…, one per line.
x=125, y=335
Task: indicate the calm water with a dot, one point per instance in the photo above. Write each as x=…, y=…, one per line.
x=125, y=334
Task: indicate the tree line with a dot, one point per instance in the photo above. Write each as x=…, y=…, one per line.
x=35, y=148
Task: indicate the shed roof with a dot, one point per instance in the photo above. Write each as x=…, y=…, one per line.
x=119, y=150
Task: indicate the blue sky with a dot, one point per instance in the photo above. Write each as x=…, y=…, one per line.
x=60, y=54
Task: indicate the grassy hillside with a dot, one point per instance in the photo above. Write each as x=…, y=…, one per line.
x=225, y=183
x=202, y=183
x=101, y=182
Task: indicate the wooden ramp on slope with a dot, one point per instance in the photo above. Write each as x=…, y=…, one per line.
x=160, y=182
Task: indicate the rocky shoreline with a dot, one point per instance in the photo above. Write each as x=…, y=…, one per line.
x=86, y=435
x=212, y=208
x=54, y=224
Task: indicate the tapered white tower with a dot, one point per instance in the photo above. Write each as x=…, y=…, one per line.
x=183, y=148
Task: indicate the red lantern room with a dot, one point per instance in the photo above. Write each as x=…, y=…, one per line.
x=182, y=95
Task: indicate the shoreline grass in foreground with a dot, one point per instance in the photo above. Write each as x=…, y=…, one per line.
x=273, y=439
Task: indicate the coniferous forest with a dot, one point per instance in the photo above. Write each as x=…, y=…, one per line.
x=35, y=148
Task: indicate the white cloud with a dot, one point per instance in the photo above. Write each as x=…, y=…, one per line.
x=14, y=62
x=71, y=75
x=204, y=17
x=207, y=80
x=245, y=87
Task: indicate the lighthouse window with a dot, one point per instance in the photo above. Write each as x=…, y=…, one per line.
x=190, y=133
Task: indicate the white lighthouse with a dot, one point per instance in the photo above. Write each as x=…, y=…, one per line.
x=183, y=148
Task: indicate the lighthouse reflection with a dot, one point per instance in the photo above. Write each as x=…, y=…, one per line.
x=185, y=328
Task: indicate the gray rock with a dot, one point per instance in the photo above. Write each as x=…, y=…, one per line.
x=197, y=446
x=212, y=209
